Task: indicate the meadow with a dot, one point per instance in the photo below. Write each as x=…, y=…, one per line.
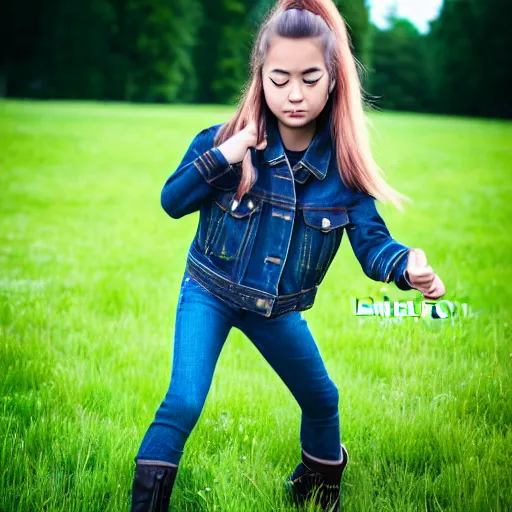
x=90, y=269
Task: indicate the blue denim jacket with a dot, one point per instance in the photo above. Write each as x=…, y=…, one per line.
x=270, y=252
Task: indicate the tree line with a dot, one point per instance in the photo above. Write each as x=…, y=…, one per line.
x=197, y=51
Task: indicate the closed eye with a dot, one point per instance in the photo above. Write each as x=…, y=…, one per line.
x=308, y=82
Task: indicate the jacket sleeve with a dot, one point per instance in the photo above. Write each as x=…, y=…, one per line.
x=381, y=257
x=203, y=171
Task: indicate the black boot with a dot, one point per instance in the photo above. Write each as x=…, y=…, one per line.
x=152, y=487
x=320, y=482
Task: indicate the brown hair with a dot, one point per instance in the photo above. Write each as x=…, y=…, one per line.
x=315, y=18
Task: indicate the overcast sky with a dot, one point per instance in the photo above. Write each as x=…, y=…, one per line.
x=418, y=11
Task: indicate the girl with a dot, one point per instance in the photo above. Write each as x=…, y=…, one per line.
x=276, y=187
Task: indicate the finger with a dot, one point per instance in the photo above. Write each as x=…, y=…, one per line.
x=424, y=287
x=431, y=290
x=438, y=287
x=421, y=258
x=423, y=280
x=436, y=291
x=263, y=145
x=424, y=283
x=250, y=128
x=430, y=281
x=436, y=294
x=421, y=273
x=417, y=258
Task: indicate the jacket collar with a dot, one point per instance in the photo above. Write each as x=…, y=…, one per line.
x=318, y=154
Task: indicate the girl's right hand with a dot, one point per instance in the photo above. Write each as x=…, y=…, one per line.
x=235, y=148
x=422, y=277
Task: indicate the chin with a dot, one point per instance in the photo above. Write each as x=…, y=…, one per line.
x=294, y=122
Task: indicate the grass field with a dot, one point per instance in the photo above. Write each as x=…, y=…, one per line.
x=90, y=273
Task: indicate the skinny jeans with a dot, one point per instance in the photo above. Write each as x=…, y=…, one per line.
x=202, y=324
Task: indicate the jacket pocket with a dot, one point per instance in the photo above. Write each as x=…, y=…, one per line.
x=326, y=220
x=232, y=234
x=323, y=231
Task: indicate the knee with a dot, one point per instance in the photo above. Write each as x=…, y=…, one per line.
x=190, y=409
x=325, y=402
x=182, y=410
x=332, y=397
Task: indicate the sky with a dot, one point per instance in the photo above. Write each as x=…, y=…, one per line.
x=418, y=11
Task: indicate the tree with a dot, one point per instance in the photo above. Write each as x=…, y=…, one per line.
x=356, y=16
x=222, y=54
x=400, y=77
x=159, y=37
x=471, y=44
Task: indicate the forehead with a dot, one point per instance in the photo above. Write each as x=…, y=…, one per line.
x=294, y=55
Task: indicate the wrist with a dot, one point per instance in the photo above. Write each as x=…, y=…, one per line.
x=221, y=148
x=407, y=278
x=221, y=157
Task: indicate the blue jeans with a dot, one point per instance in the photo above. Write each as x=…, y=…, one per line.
x=203, y=322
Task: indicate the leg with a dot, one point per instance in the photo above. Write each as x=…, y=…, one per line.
x=289, y=347
x=202, y=325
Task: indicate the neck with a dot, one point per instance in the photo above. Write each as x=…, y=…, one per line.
x=297, y=139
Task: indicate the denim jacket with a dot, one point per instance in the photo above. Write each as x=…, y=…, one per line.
x=270, y=252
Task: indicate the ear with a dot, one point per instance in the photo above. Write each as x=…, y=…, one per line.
x=331, y=86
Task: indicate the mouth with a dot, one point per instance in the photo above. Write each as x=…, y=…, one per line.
x=295, y=112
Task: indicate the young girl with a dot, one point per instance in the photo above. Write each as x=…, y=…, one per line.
x=276, y=188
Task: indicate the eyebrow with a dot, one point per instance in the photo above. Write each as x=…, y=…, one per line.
x=282, y=71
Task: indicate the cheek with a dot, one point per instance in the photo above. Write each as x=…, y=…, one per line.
x=272, y=98
x=319, y=100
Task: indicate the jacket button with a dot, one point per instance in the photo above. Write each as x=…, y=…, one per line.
x=261, y=303
x=326, y=222
x=250, y=205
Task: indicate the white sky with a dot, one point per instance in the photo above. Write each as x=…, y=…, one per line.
x=418, y=11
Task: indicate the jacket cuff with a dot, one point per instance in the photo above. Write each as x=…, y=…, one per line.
x=220, y=156
x=212, y=164
x=400, y=277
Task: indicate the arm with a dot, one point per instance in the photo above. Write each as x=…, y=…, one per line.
x=381, y=257
x=202, y=171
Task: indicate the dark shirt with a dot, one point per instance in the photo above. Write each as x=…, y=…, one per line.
x=294, y=156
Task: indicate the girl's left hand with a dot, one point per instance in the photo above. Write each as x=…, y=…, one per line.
x=422, y=277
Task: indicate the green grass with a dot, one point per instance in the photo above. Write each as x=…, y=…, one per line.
x=90, y=274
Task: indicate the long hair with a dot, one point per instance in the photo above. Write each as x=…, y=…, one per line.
x=315, y=18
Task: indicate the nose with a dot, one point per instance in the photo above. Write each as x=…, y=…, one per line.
x=295, y=92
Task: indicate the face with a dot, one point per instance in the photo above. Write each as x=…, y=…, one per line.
x=295, y=78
